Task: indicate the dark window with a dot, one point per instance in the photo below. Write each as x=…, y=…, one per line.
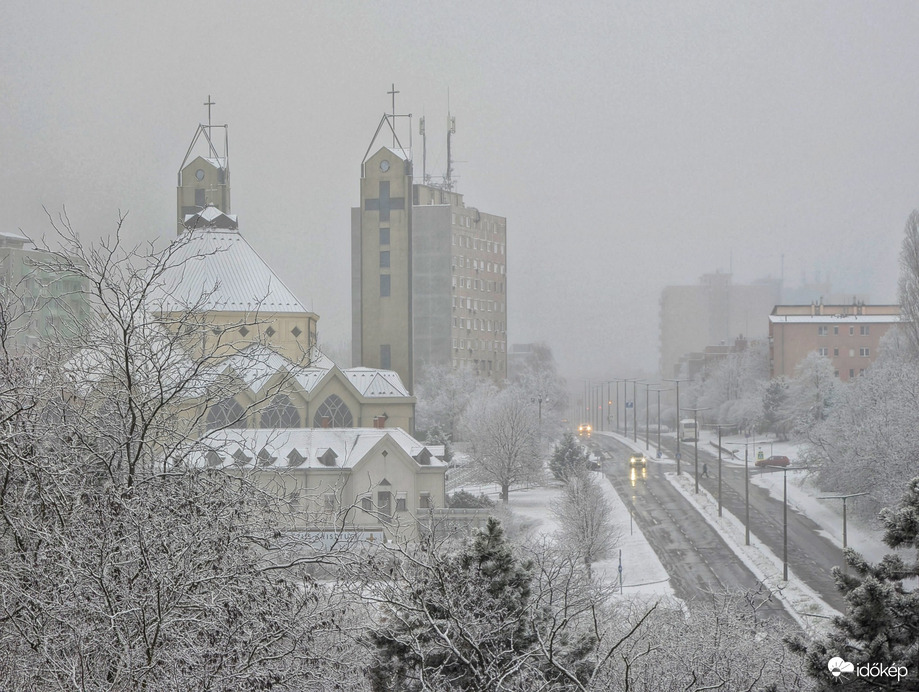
x=384, y=236
x=280, y=413
x=384, y=502
x=333, y=410
x=384, y=258
x=401, y=504
x=226, y=414
x=366, y=504
x=199, y=197
x=384, y=285
x=385, y=357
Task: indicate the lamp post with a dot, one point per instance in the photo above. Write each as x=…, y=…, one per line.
x=845, y=543
x=720, y=428
x=659, y=390
x=677, y=381
x=784, y=470
x=695, y=418
x=746, y=482
x=634, y=411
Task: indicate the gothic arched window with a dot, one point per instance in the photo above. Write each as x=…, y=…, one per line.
x=280, y=413
x=226, y=413
x=333, y=413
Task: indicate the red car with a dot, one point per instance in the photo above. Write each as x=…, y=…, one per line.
x=773, y=461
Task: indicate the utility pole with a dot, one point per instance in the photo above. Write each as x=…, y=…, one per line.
x=677, y=381
x=845, y=542
x=695, y=417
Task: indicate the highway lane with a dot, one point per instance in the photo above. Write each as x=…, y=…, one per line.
x=695, y=556
x=811, y=556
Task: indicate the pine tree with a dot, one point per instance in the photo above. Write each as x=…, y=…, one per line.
x=567, y=458
x=881, y=624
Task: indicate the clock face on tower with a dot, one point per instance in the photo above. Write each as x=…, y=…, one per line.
x=384, y=165
x=199, y=174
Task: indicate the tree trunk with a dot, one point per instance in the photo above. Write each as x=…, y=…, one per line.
x=505, y=492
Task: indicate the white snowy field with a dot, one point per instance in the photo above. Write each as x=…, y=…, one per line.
x=642, y=572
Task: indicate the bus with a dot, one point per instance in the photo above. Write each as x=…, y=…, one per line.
x=688, y=431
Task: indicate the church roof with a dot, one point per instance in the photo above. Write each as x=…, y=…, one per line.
x=376, y=383
x=303, y=447
x=215, y=269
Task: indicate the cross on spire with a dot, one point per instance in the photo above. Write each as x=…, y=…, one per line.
x=393, y=93
x=210, y=103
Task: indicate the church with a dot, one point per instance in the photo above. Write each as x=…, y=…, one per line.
x=330, y=441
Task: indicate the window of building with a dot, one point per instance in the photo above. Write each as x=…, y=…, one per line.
x=384, y=236
x=280, y=413
x=863, y=329
x=329, y=501
x=861, y=372
x=199, y=197
x=822, y=331
x=424, y=501
x=385, y=280
x=835, y=352
x=823, y=351
x=836, y=373
x=863, y=352
x=836, y=330
x=366, y=504
x=384, y=258
x=333, y=413
x=851, y=331
x=851, y=372
x=384, y=502
x=401, y=502
x=385, y=357
x=851, y=353
x=226, y=414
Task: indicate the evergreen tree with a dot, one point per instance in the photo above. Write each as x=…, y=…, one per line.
x=881, y=626
x=456, y=620
x=568, y=458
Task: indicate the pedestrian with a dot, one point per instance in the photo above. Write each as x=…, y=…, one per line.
x=705, y=469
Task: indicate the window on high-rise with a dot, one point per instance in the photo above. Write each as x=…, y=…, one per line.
x=385, y=357
x=384, y=236
x=385, y=280
x=384, y=258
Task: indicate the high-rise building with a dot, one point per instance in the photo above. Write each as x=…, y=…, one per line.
x=713, y=312
x=428, y=273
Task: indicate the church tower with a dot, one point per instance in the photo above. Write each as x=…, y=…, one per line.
x=381, y=259
x=204, y=176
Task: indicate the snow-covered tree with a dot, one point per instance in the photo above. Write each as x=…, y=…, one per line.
x=881, y=622
x=909, y=283
x=501, y=434
x=443, y=394
x=811, y=393
x=123, y=566
x=568, y=457
x=586, y=526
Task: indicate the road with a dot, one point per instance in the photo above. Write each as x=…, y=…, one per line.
x=695, y=556
x=811, y=556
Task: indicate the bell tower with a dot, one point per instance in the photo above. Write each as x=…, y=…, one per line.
x=204, y=176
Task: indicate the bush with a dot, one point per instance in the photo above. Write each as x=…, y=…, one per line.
x=462, y=499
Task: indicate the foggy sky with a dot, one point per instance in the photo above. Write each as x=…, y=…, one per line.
x=629, y=145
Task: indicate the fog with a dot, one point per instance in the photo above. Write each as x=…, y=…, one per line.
x=630, y=146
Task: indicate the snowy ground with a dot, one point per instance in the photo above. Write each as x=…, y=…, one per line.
x=642, y=572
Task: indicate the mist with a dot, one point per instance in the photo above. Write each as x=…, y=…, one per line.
x=629, y=145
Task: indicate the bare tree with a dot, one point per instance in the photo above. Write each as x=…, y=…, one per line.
x=501, y=432
x=122, y=566
x=585, y=518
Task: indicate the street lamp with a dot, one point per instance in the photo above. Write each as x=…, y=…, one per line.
x=658, y=390
x=677, y=421
x=695, y=418
x=784, y=470
x=843, y=498
x=720, y=428
x=746, y=482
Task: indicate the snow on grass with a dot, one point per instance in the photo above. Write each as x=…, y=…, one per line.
x=642, y=572
x=802, y=602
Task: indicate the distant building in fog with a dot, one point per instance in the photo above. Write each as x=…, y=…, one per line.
x=428, y=273
x=204, y=175
x=714, y=312
x=849, y=335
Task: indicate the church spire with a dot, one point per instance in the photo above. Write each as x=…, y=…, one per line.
x=204, y=176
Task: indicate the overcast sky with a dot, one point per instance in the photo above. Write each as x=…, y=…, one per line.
x=630, y=145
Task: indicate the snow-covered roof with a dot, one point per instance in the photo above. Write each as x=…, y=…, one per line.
x=404, y=154
x=217, y=270
x=832, y=319
x=210, y=217
x=303, y=447
x=376, y=383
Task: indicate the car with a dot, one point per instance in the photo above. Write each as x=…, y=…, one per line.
x=584, y=429
x=776, y=460
x=637, y=458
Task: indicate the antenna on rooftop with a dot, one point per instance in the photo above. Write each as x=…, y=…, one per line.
x=451, y=130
